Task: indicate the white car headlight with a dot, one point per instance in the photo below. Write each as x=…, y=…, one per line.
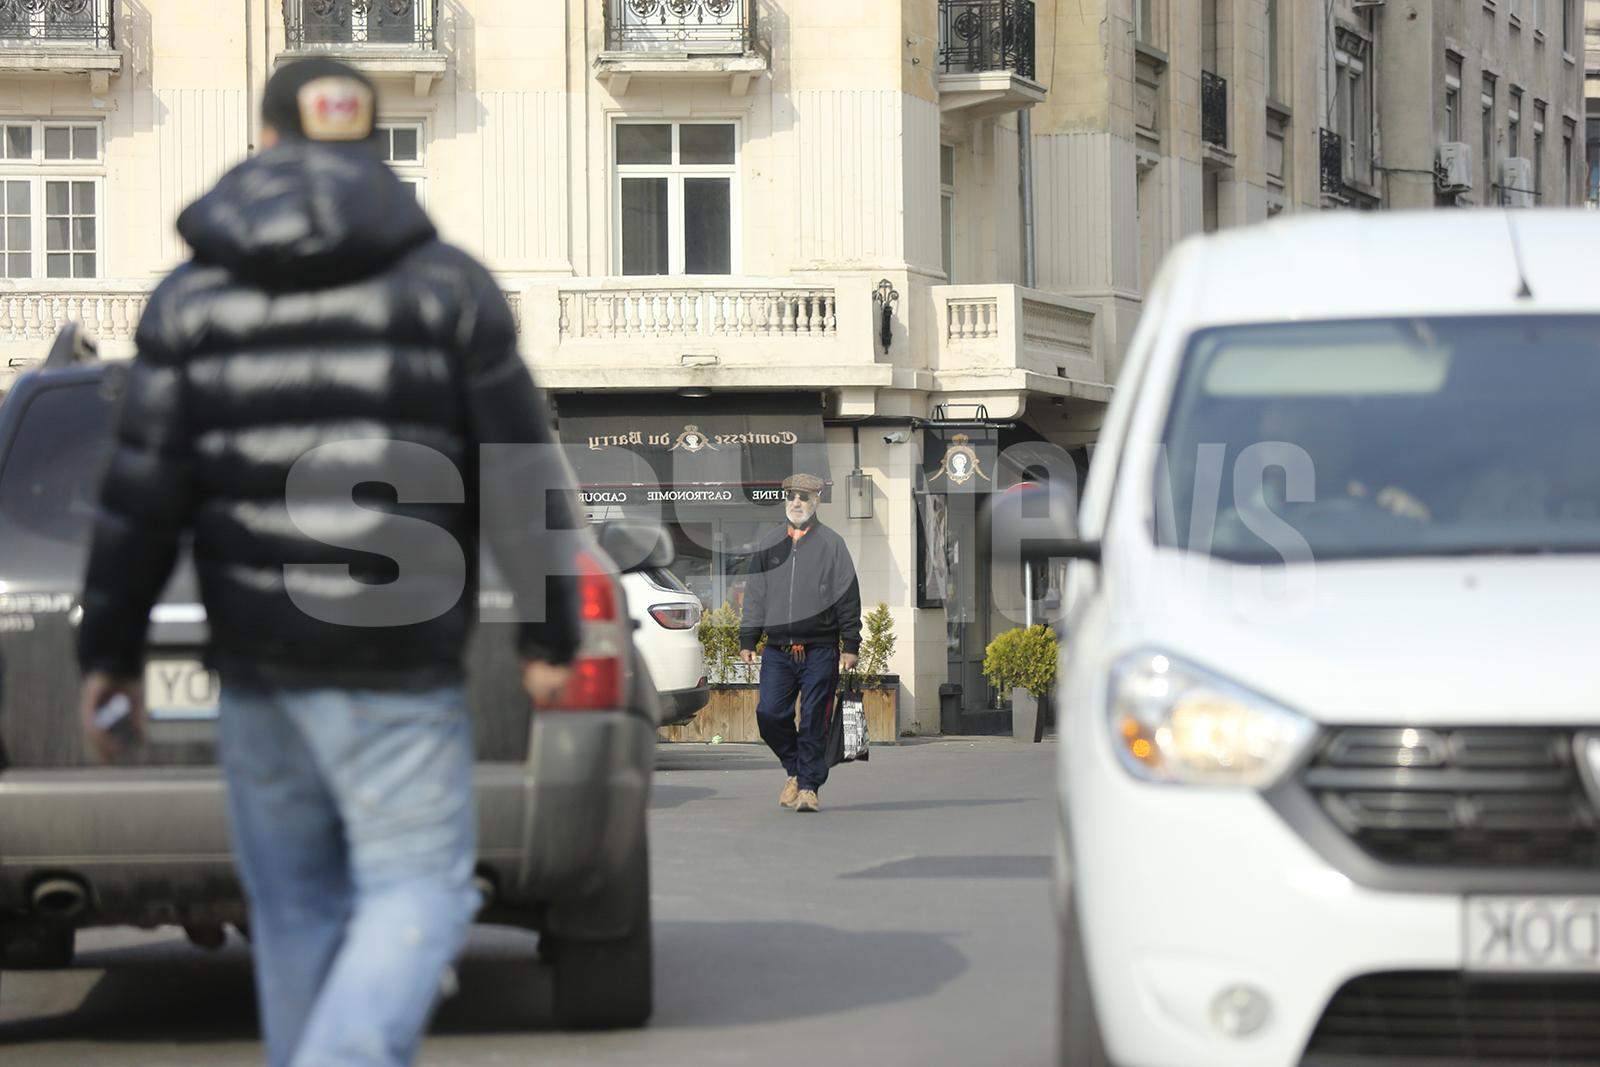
x=1174, y=722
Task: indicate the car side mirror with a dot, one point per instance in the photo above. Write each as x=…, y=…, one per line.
x=1035, y=522
x=634, y=545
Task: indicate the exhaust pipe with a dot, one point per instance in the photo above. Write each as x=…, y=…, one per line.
x=60, y=898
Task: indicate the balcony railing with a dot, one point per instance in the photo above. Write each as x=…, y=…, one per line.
x=700, y=27
x=710, y=312
x=361, y=23
x=1213, y=109
x=85, y=22
x=984, y=35
x=1331, y=159
x=1002, y=328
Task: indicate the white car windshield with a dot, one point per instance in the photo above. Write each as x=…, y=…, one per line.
x=1423, y=436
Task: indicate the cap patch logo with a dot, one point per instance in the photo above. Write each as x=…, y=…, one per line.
x=335, y=109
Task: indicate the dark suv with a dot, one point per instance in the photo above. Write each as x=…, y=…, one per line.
x=561, y=794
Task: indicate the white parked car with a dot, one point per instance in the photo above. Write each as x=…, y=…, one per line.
x=665, y=616
x=1330, y=761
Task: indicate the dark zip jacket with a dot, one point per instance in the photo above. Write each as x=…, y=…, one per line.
x=803, y=593
x=320, y=309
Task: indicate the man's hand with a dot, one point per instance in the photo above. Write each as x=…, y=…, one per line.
x=544, y=682
x=847, y=661
x=98, y=690
x=747, y=654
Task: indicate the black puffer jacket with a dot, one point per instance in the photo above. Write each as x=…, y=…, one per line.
x=803, y=592
x=321, y=309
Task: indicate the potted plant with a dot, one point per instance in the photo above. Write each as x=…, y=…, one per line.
x=1022, y=662
x=731, y=712
x=870, y=676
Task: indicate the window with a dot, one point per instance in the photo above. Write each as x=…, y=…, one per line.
x=1274, y=91
x=1536, y=15
x=1514, y=123
x=947, y=209
x=675, y=197
x=1566, y=26
x=1488, y=138
x=50, y=186
x=1592, y=155
x=401, y=143
x=1538, y=148
x=1452, y=98
x=1142, y=18
x=1569, y=131
x=50, y=480
x=1378, y=404
x=1353, y=106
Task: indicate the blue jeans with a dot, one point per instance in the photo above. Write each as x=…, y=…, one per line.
x=803, y=752
x=355, y=835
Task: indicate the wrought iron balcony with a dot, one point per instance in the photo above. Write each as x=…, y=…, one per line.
x=984, y=35
x=697, y=27
x=1213, y=109
x=1331, y=157
x=85, y=22
x=361, y=23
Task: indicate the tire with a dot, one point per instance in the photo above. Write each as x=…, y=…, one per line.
x=608, y=985
x=38, y=948
x=1078, y=1041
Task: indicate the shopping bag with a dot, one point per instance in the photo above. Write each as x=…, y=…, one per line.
x=847, y=729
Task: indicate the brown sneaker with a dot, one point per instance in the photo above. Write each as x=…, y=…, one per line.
x=807, y=801
x=790, y=794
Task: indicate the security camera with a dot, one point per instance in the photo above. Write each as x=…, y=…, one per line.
x=897, y=437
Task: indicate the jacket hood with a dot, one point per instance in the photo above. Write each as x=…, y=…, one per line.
x=303, y=214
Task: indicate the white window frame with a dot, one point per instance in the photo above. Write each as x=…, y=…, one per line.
x=675, y=173
x=1487, y=120
x=1452, y=99
x=947, y=208
x=37, y=171
x=1539, y=110
x=1514, y=124
x=413, y=172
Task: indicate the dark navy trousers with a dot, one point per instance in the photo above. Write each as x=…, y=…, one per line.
x=804, y=751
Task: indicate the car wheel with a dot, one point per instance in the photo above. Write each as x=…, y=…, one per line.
x=1078, y=1042
x=37, y=946
x=605, y=985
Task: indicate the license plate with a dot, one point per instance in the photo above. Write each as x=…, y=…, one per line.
x=176, y=689
x=1533, y=934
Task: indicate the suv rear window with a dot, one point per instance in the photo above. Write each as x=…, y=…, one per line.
x=50, y=481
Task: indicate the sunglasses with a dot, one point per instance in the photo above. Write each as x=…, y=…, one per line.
x=797, y=494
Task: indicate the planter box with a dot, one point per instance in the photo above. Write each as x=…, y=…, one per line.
x=732, y=714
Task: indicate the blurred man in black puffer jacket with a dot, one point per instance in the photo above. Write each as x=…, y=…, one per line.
x=309, y=399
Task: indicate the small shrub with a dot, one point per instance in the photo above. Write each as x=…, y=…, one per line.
x=1024, y=658
x=877, y=645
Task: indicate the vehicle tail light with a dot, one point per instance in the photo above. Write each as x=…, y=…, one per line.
x=598, y=671
x=676, y=616
x=597, y=593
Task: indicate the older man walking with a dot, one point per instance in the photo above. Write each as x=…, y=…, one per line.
x=803, y=594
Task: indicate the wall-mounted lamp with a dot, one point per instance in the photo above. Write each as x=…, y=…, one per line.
x=886, y=298
x=694, y=392
x=859, y=482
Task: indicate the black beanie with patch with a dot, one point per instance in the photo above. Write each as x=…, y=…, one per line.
x=320, y=100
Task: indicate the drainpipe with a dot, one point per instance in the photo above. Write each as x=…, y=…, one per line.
x=249, y=82
x=1025, y=191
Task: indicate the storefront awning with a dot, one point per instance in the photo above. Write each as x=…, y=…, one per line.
x=730, y=449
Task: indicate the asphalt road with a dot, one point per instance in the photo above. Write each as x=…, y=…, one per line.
x=908, y=923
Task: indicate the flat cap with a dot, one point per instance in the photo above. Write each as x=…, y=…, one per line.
x=808, y=483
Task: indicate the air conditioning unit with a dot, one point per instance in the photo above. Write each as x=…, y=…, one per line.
x=1516, y=182
x=1452, y=167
